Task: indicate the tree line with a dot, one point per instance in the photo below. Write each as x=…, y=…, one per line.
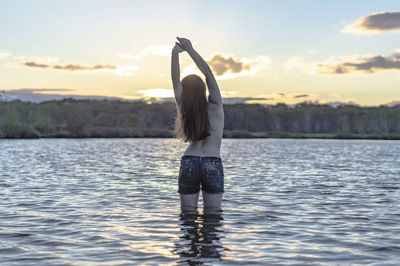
x=113, y=118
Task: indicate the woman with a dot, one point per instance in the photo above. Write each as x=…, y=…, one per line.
x=201, y=123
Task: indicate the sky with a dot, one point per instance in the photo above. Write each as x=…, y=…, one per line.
x=263, y=51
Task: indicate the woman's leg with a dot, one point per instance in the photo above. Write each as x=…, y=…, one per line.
x=189, y=202
x=212, y=202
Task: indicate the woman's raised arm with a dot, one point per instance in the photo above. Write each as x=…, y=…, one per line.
x=214, y=95
x=175, y=72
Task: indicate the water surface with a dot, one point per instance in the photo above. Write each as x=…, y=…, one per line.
x=115, y=201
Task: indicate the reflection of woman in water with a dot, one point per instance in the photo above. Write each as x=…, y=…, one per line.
x=200, y=238
x=201, y=123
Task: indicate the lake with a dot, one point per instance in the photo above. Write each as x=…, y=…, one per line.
x=115, y=201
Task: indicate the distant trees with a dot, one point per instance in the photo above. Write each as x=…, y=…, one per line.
x=107, y=118
x=311, y=118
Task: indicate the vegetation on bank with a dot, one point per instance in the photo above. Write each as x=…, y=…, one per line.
x=112, y=118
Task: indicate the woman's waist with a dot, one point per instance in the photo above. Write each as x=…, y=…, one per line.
x=193, y=151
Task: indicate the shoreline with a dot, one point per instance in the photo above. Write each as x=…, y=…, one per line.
x=156, y=133
x=113, y=119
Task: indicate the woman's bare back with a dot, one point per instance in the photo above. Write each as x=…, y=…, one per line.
x=211, y=145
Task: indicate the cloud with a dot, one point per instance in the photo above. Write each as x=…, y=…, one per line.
x=228, y=67
x=77, y=67
x=301, y=96
x=47, y=94
x=4, y=54
x=125, y=70
x=393, y=103
x=299, y=63
x=157, y=92
x=291, y=99
x=34, y=64
x=226, y=93
x=346, y=64
x=160, y=95
x=375, y=23
x=38, y=90
x=220, y=64
x=367, y=64
x=288, y=98
x=234, y=100
x=68, y=67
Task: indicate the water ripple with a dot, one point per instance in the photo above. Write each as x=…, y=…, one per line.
x=114, y=201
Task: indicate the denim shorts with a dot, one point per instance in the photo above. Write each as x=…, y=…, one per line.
x=196, y=170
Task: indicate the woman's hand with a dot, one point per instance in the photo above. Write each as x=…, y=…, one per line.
x=177, y=48
x=185, y=44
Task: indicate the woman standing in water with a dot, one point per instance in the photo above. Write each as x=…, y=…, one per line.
x=201, y=123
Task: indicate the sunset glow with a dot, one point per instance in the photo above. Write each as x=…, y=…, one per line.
x=260, y=49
